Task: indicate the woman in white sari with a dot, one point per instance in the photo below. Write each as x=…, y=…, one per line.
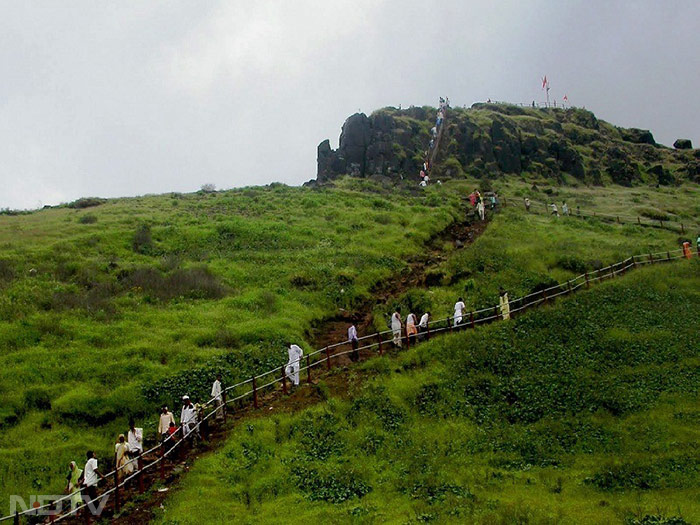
x=122, y=462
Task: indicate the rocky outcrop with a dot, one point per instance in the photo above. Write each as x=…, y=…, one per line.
x=496, y=139
x=683, y=144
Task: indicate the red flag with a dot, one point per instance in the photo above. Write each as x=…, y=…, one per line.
x=544, y=82
x=566, y=98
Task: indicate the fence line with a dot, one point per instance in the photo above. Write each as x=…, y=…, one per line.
x=447, y=324
x=619, y=219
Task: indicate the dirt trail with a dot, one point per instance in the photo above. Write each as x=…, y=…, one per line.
x=139, y=508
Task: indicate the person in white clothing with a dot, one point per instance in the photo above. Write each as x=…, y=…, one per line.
x=166, y=417
x=555, y=210
x=216, y=394
x=292, y=369
x=354, y=342
x=396, y=327
x=423, y=325
x=459, y=308
x=90, y=477
x=481, y=210
x=135, y=440
x=188, y=416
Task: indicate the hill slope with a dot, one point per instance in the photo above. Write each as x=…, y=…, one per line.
x=585, y=412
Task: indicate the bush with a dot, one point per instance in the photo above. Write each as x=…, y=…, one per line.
x=87, y=202
x=572, y=264
x=192, y=283
x=143, y=243
x=334, y=487
x=208, y=188
x=7, y=273
x=88, y=219
x=37, y=398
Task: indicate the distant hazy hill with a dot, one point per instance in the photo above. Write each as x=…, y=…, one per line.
x=493, y=139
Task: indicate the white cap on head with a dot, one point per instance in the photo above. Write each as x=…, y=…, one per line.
x=185, y=397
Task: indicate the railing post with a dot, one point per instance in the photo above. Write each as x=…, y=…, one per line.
x=661, y=223
x=139, y=463
x=639, y=221
x=544, y=295
x=651, y=258
x=682, y=228
x=284, y=380
x=16, y=520
x=308, y=370
x=427, y=328
x=668, y=255
x=496, y=314
x=568, y=286
x=255, y=393
x=408, y=338
x=634, y=262
x=379, y=342
x=588, y=284
x=618, y=220
x=224, y=405
x=162, y=460
x=117, y=503
x=328, y=358
x=471, y=318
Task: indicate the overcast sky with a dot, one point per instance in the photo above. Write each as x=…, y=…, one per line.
x=126, y=98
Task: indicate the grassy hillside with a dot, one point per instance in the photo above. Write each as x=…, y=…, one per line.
x=585, y=412
x=109, y=310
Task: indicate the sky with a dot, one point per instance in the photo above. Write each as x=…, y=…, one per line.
x=127, y=98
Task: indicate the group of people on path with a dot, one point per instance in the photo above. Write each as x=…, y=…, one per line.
x=128, y=448
x=434, y=131
x=479, y=203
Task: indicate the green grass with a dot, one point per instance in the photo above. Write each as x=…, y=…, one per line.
x=105, y=318
x=102, y=319
x=584, y=412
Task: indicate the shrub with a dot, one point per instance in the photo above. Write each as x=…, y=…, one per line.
x=208, y=188
x=654, y=214
x=192, y=283
x=572, y=264
x=87, y=202
x=143, y=243
x=7, y=273
x=88, y=219
x=37, y=398
x=334, y=487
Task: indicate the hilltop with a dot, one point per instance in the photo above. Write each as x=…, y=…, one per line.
x=492, y=140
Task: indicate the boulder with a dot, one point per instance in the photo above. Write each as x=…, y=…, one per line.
x=683, y=144
x=354, y=139
x=637, y=136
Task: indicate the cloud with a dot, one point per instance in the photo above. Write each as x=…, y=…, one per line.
x=151, y=97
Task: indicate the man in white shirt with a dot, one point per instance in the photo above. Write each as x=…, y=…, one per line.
x=166, y=417
x=135, y=440
x=352, y=337
x=216, y=391
x=90, y=477
x=459, y=308
x=188, y=416
x=292, y=369
x=423, y=325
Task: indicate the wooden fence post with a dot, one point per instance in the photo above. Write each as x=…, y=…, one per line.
x=308, y=370
x=379, y=342
x=668, y=255
x=408, y=339
x=139, y=463
x=618, y=220
x=651, y=258
x=496, y=314
x=162, y=458
x=255, y=393
x=328, y=358
x=284, y=379
x=639, y=221
x=568, y=286
x=117, y=503
x=15, y=521
x=634, y=262
x=682, y=228
x=588, y=284
x=544, y=294
x=427, y=329
x=471, y=318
